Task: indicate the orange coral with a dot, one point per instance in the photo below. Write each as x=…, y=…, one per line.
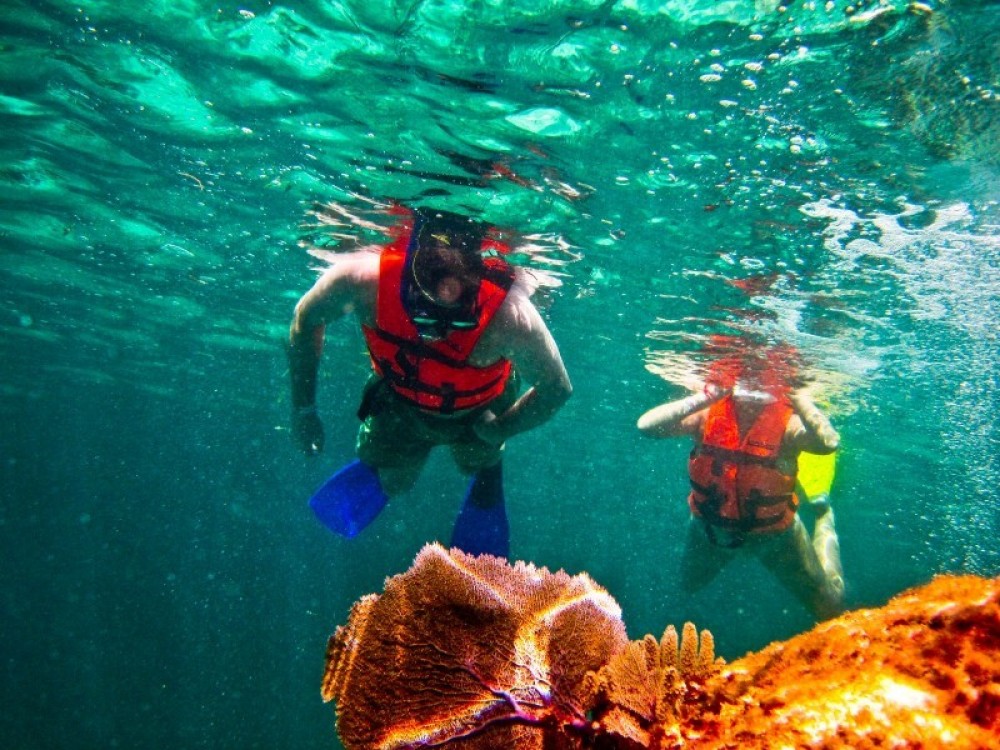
x=921, y=672
x=647, y=693
x=473, y=653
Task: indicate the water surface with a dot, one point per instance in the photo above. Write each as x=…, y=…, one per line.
x=820, y=177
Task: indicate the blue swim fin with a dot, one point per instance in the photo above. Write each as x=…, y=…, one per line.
x=481, y=526
x=349, y=500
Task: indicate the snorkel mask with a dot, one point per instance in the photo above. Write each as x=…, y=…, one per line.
x=754, y=373
x=743, y=393
x=443, y=245
x=435, y=321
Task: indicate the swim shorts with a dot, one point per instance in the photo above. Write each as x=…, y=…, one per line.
x=395, y=433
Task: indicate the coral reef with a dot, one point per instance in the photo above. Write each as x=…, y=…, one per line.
x=921, y=672
x=647, y=694
x=473, y=653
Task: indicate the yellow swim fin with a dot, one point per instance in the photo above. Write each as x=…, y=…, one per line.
x=816, y=473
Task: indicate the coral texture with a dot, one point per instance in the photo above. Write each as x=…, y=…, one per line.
x=471, y=649
x=647, y=694
x=473, y=653
x=921, y=672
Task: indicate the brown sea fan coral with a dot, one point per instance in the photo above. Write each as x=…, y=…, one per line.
x=470, y=649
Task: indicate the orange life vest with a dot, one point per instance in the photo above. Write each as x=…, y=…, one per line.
x=435, y=374
x=735, y=480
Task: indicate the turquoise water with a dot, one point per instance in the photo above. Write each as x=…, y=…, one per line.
x=810, y=176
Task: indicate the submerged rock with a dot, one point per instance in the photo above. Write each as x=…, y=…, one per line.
x=474, y=653
x=921, y=672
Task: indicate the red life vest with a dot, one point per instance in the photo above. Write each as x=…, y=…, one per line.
x=735, y=480
x=435, y=374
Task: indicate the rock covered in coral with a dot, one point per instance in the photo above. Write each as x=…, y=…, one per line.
x=473, y=653
x=921, y=672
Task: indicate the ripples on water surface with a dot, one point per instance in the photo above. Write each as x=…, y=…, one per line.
x=822, y=177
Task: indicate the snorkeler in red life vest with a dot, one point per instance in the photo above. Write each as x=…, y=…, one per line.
x=420, y=345
x=451, y=333
x=736, y=481
x=743, y=466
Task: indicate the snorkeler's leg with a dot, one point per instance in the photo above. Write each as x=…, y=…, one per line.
x=701, y=560
x=791, y=559
x=391, y=442
x=826, y=544
x=481, y=526
x=389, y=461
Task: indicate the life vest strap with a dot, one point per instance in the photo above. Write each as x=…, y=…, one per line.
x=709, y=508
x=735, y=538
x=447, y=392
x=500, y=274
x=418, y=348
x=734, y=456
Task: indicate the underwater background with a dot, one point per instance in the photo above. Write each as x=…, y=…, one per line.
x=821, y=177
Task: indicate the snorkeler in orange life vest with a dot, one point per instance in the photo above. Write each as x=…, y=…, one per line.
x=452, y=334
x=743, y=478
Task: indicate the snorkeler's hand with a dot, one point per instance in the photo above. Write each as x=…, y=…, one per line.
x=798, y=381
x=487, y=428
x=715, y=392
x=307, y=430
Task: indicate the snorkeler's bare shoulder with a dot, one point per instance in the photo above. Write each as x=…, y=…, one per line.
x=506, y=331
x=349, y=285
x=518, y=332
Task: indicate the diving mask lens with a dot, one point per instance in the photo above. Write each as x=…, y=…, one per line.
x=422, y=321
x=461, y=325
x=748, y=394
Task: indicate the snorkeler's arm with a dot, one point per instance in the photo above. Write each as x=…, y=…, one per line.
x=536, y=358
x=341, y=289
x=335, y=293
x=305, y=338
x=680, y=417
x=816, y=434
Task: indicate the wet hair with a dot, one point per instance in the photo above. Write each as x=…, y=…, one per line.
x=460, y=231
